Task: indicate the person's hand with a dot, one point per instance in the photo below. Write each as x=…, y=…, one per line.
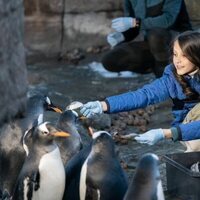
x=122, y=24
x=91, y=108
x=151, y=137
x=115, y=38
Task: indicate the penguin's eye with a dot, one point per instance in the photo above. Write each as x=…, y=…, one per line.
x=45, y=133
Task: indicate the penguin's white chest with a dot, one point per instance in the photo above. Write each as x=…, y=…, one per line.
x=82, y=184
x=52, y=177
x=83, y=177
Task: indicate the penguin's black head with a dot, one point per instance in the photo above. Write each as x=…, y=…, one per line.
x=43, y=134
x=50, y=106
x=40, y=100
x=149, y=160
x=146, y=183
x=102, y=141
x=148, y=166
x=67, y=117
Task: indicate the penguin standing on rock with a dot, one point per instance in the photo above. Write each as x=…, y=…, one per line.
x=146, y=183
x=42, y=176
x=12, y=154
x=102, y=177
x=70, y=145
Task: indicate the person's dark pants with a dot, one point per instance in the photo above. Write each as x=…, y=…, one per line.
x=142, y=56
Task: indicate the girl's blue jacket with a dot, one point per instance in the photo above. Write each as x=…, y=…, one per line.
x=164, y=88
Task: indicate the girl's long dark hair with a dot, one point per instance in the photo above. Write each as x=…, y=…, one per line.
x=189, y=43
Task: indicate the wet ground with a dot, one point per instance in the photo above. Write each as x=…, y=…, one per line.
x=66, y=83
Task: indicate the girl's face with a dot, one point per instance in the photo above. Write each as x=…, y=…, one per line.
x=182, y=64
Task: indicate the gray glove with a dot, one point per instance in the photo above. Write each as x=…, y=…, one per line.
x=115, y=38
x=91, y=108
x=151, y=137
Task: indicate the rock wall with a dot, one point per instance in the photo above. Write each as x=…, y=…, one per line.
x=13, y=82
x=55, y=26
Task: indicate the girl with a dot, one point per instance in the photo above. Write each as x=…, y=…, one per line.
x=180, y=82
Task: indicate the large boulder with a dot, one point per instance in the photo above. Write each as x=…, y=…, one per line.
x=13, y=76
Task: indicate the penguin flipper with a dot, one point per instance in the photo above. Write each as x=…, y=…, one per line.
x=35, y=180
x=30, y=181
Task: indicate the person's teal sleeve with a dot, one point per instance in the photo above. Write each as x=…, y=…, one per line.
x=171, y=9
x=176, y=134
x=128, y=10
x=186, y=132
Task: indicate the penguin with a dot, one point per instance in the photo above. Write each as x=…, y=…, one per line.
x=146, y=183
x=42, y=176
x=97, y=122
x=99, y=171
x=73, y=171
x=12, y=154
x=70, y=145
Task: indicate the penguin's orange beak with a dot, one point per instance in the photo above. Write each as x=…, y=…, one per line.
x=90, y=131
x=56, y=109
x=61, y=134
x=82, y=117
